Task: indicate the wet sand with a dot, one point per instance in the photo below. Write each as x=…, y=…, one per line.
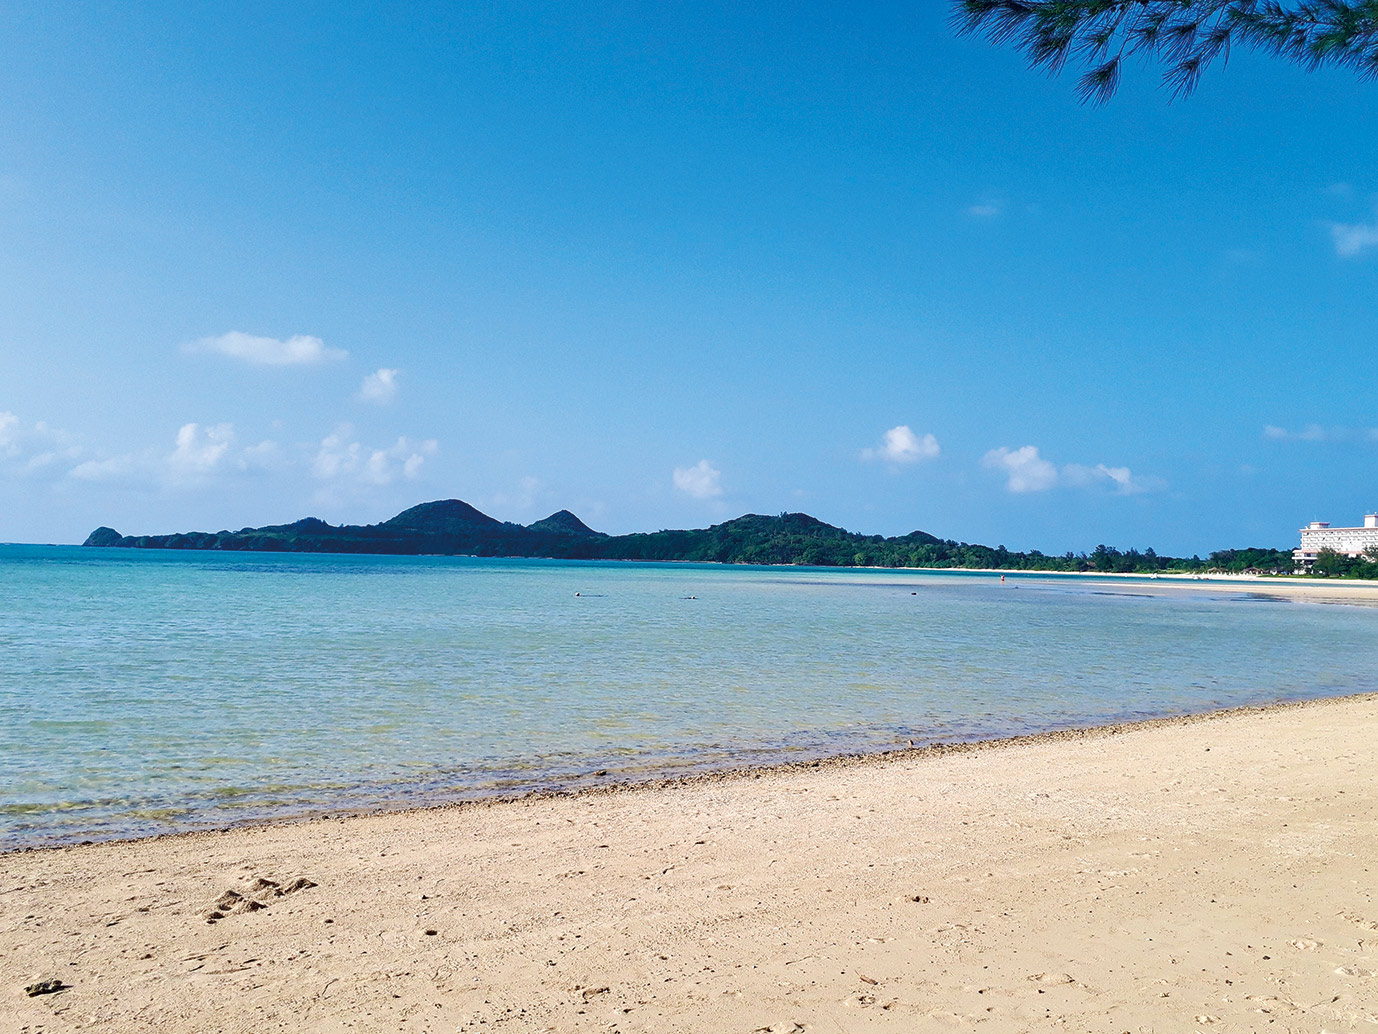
x=1209, y=874
x=1356, y=591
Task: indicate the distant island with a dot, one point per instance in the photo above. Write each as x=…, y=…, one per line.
x=451, y=527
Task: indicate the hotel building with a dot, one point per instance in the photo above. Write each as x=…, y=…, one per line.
x=1319, y=535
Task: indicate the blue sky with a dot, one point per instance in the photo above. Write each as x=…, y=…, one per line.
x=667, y=264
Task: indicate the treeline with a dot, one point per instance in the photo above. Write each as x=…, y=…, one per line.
x=1330, y=564
x=452, y=527
x=796, y=538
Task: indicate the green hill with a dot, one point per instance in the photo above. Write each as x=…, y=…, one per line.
x=452, y=527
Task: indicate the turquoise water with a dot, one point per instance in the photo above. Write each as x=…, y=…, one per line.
x=150, y=691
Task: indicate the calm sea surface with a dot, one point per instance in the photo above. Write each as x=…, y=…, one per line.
x=149, y=691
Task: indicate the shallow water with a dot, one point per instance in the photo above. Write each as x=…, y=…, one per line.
x=151, y=691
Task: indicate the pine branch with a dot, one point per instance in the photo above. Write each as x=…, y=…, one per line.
x=1185, y=36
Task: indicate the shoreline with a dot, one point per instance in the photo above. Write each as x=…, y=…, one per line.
x=1172, y=576
x=667, y=779
x=1207, y=869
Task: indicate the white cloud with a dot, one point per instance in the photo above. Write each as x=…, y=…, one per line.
x=1353, y=239
x=35, y=449
x=266, y=455
x=524, y=496
x=701, y=481
x=1121, y=479
x=1026, y=469
x=340, y=457
x=200, y=449
x=379, y=387
x=1310, y=433
x=205, y=454
x=199, y=452
x=113, y=468
x=901, y=445
x=1124, y=480
x=49, y=460
x=986, y=210
x=298, y=350
x=1317, y=433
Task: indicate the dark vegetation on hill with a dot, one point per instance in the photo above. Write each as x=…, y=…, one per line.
x=453, y=527
x=1330, y=564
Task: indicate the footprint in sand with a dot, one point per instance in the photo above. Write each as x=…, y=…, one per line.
x=1052, y=978
x=1305, y=944
x=1354, y=971
x=259, y=894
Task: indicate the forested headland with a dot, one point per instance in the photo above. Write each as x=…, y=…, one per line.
x=453, y=527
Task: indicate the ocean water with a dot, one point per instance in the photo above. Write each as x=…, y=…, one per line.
x=151, y=691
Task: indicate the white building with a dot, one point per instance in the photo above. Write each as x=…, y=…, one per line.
x=1319, y=535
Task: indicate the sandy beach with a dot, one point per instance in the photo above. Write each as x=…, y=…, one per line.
x=1211, y=874
x=1356, y=591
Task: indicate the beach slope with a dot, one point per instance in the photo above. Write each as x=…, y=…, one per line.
x=1213, y=874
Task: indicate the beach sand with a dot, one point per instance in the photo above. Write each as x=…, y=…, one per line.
x=1353, y=592
x=1212, y=874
